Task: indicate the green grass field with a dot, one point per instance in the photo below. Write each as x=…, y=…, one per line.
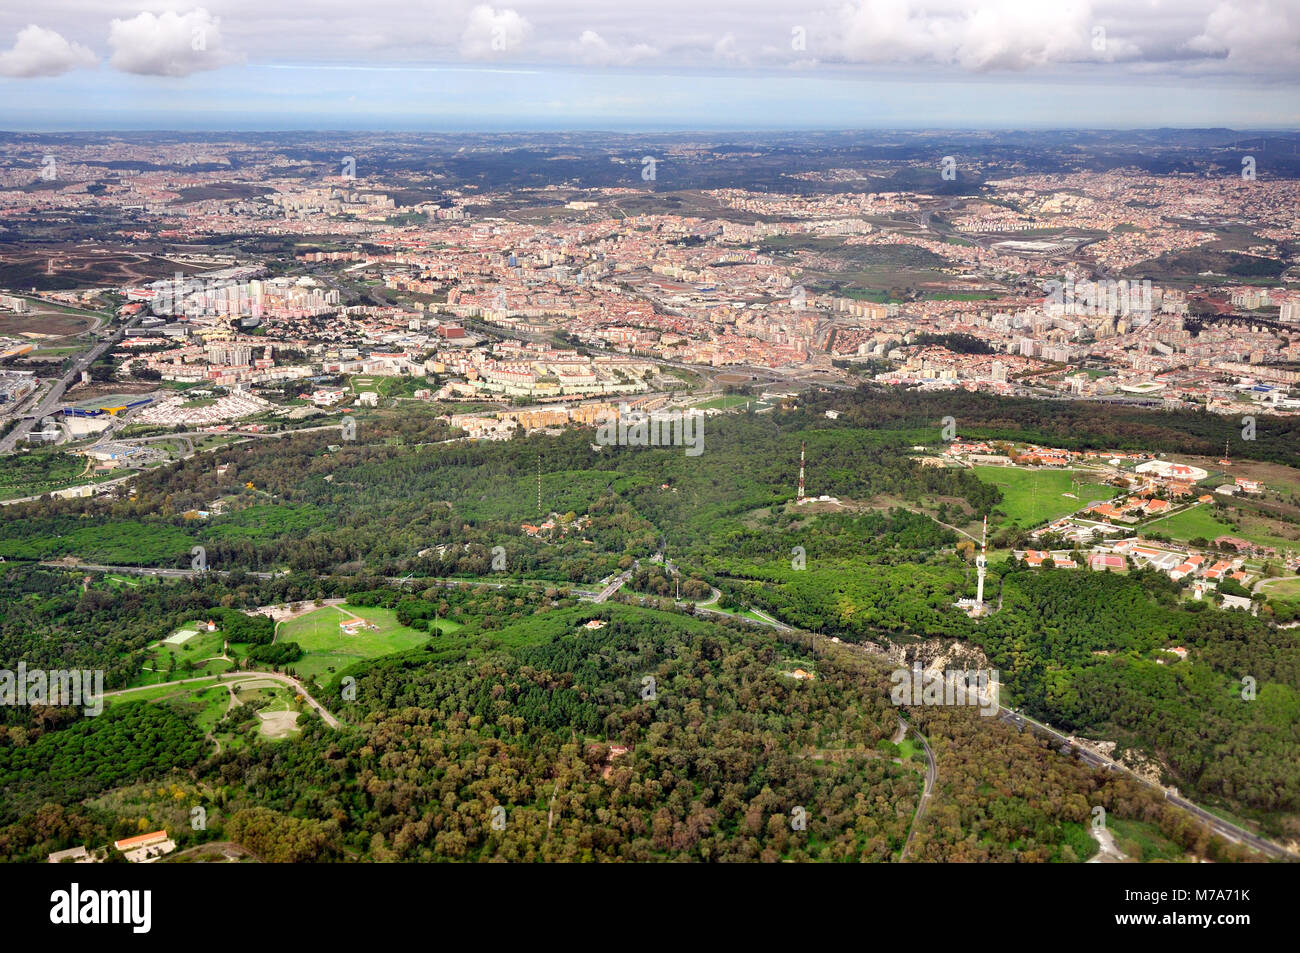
x=166, y=663
x=742, y=613
x=1143, y=841
x=268, y=697
x=1201, y=521
x=160, y=692
x=207, y=701
x=329, y=649
x=386, y=387
x=727, y=402
x=265, y=696
x=1283, y=589
x=1031, y=497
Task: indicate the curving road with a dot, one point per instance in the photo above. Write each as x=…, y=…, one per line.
x=226, y=678
x=931, y=778
x=1218, y=825
x=614, y=586
x=1224, y=828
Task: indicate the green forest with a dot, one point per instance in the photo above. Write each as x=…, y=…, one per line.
x=520, y=733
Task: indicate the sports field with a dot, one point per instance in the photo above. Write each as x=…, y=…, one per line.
x=729, y=402
x=1030, y=497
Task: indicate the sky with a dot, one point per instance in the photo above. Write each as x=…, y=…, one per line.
x=639, y=65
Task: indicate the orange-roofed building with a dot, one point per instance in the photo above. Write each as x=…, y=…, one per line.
x=140, y=840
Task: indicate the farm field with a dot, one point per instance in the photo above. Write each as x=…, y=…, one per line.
x=328, y=649
x=1031, y=497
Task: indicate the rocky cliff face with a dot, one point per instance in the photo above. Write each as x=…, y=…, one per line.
x=939, y=654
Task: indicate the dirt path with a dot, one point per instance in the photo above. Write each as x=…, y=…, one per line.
x=1109, y=853
x=931, y=777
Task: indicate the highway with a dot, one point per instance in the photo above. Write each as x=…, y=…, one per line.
x=169, y=573
x=615, y=585
x=150, y=570
x=51, y=401
x=1225, y=829
x=1218, y=825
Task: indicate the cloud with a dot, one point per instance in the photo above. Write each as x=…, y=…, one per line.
x=727, y=51
x=489, y=32
x=595, y=50
x=41, y=52
x=1137, y=38
x=1251, y=34
x=995, y=35
x=171, y=44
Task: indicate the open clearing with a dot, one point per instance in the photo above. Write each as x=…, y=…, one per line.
x=44, y=323
x=1200, y=521
x=1031, y=497
x=184, y=656
x=328, y=648
x=206, y=701
x=278, y=724
x=1281, y=588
